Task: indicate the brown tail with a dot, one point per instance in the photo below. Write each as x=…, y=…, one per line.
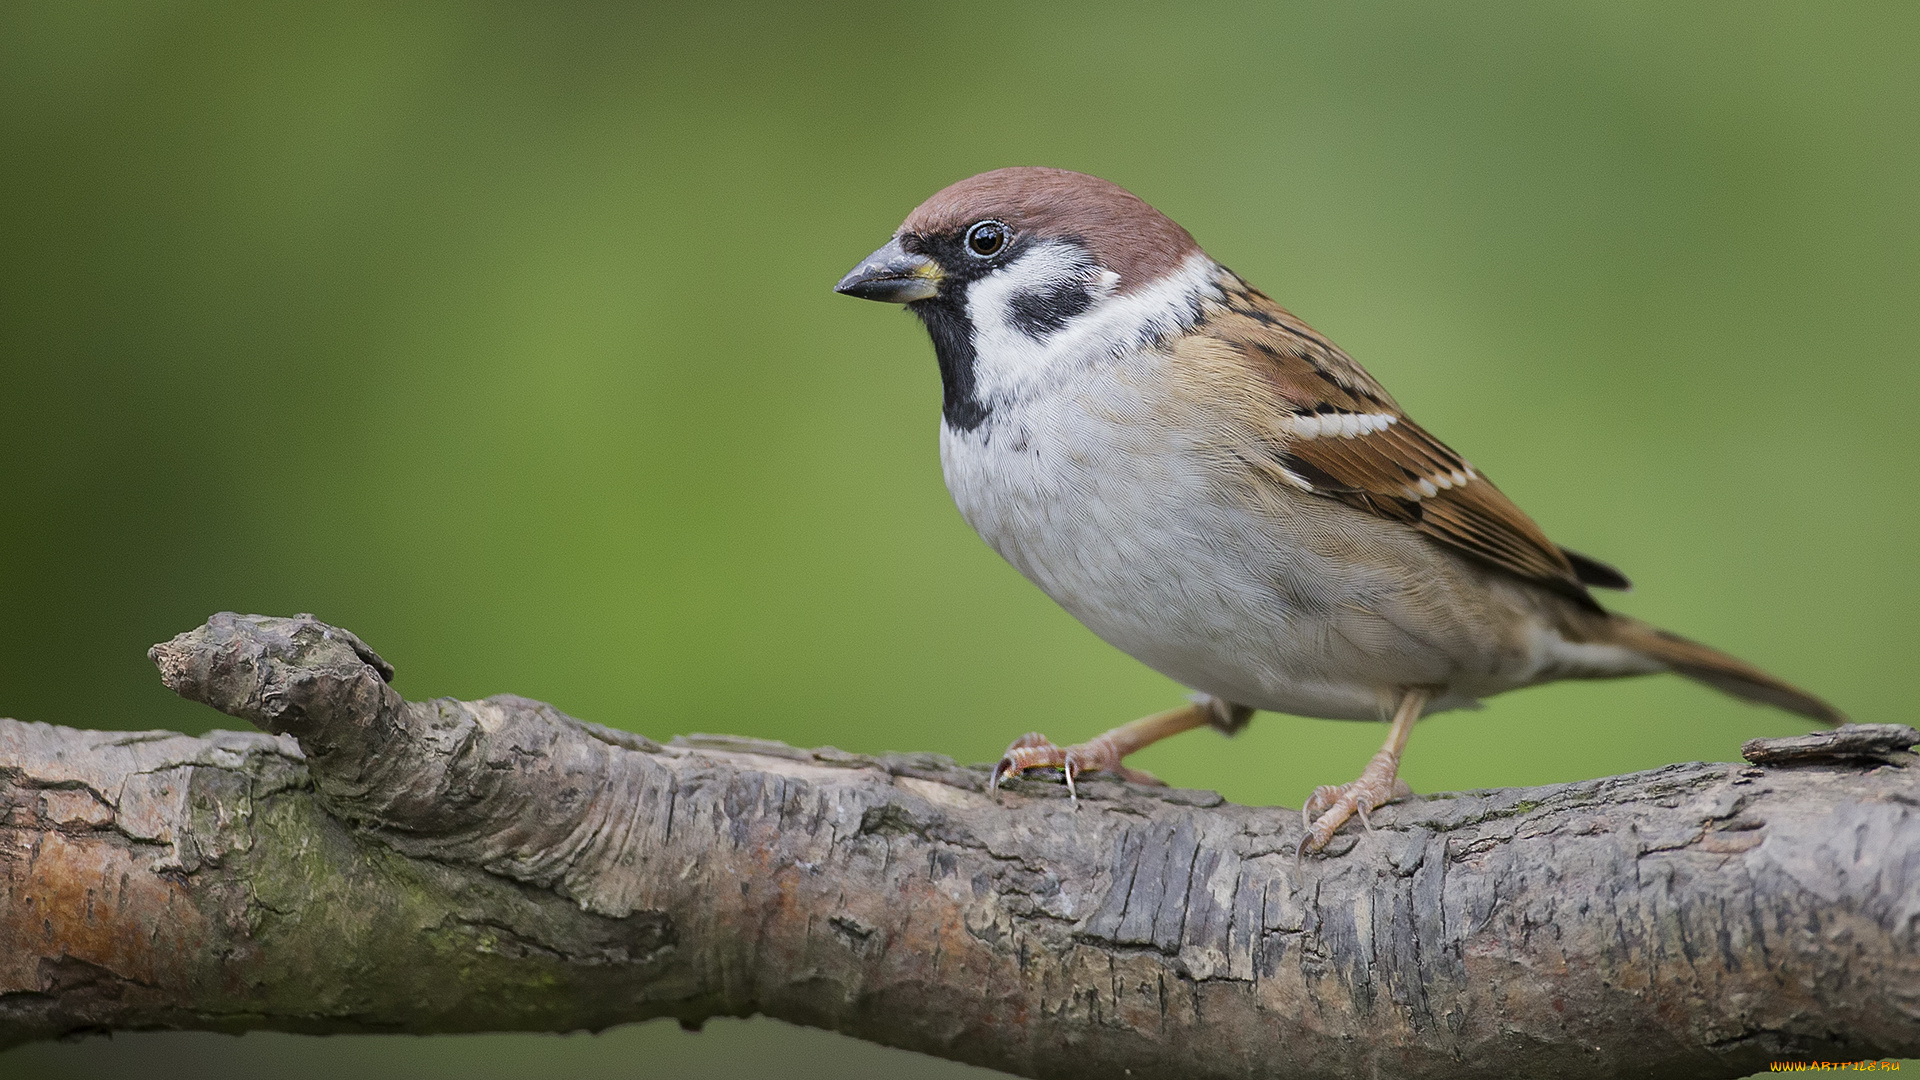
x=1720, y=671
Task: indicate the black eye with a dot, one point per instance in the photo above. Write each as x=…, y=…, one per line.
x=986, y=238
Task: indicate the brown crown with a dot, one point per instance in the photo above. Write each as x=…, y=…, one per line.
x=1125, y=235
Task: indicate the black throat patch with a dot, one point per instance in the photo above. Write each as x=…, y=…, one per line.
x=952, y=333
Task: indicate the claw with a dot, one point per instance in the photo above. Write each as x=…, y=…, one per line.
x=1028, y=751
x=1379, y=782
x=1034, y=751
x=1331, y=806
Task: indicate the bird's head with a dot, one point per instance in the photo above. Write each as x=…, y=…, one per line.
x=1002, y=262
x=1034, y=233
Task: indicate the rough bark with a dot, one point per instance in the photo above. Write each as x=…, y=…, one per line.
x=377, y=865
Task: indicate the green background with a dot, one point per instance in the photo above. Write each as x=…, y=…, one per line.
x=502, y=335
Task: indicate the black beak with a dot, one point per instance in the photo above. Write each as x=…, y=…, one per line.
x=893, y=275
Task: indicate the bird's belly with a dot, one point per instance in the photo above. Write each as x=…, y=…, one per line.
x=1138, y=543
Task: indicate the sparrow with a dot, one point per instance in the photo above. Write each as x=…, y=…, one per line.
x=1219, y=491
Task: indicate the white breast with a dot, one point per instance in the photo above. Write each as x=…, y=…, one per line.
x=1107, y=512
x=1121, y=505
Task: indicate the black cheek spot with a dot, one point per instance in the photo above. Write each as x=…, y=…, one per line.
x=1039, y=314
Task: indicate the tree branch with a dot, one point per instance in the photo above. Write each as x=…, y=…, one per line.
x=377, y=865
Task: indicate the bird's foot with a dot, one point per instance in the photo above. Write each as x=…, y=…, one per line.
x=1035, y=751
x=1332, y=804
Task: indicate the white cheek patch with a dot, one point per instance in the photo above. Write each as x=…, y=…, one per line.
x=1009, y=361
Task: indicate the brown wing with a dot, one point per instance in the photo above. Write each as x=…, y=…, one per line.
x=1337, y=432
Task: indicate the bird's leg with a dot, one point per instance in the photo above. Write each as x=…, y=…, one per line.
x=1331, y=805
x=1102, y=753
